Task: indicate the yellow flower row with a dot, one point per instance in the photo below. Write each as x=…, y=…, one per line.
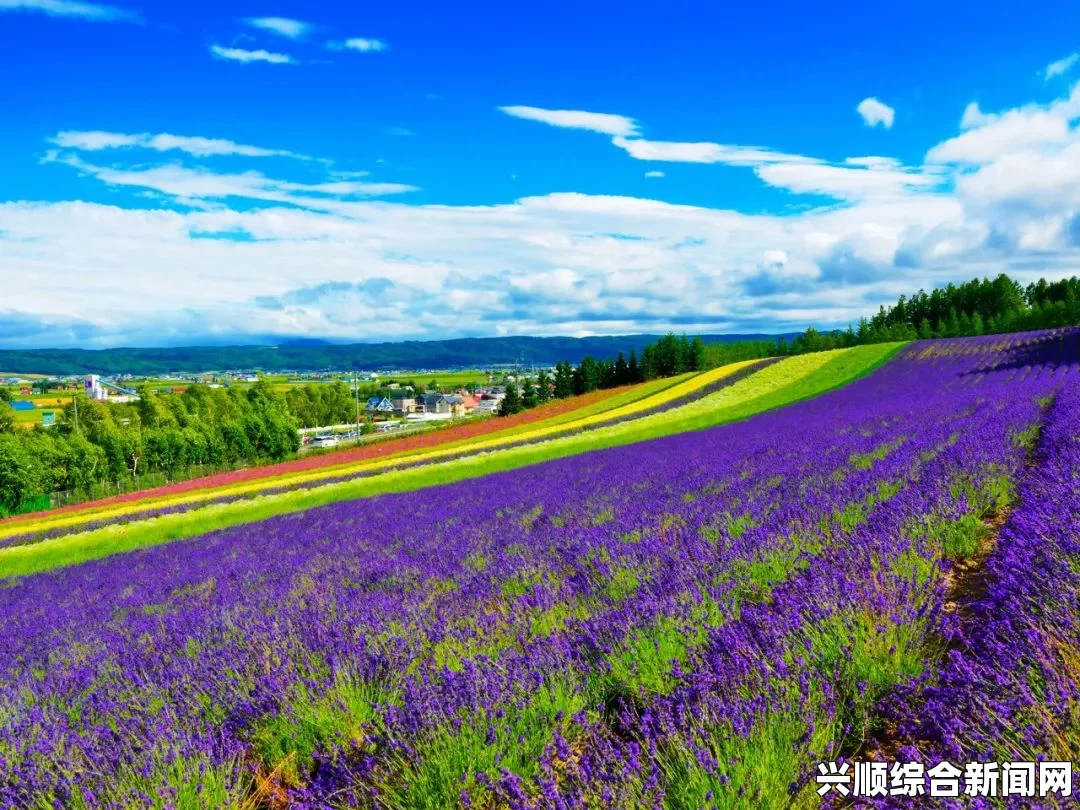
x=539, y=431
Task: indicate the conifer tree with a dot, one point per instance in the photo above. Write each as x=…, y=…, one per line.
x=511, y=403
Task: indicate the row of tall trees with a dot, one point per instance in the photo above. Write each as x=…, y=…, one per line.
x=326, y=404
x=93, y=443
x=976, y=307
x=667, y=357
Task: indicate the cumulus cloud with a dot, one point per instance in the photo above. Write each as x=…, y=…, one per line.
x=876, y=113
x=974, y=117
x=94, y=12
x=1061, y=66
x=987, y=137
x=282, y=26
x=94, y=141
x=1019, y=168
x=654, y=174
x=323, y=257
x=555, y=264
x=604, y=123
x=246, y=56
x=361, y=44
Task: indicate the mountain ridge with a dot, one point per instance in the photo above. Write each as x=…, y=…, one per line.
x=307, y=355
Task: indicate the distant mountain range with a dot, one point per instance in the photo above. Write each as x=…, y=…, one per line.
x=305, y=355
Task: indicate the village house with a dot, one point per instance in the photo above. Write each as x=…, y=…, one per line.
x=457, y=405
x=436, y=403
x=489, y=404
x=403, y=405
x=379, y=405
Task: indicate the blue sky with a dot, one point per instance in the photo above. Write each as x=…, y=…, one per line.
x=244, y=172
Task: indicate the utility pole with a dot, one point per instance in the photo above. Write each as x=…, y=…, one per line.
x=356, y=395
x=75, y=400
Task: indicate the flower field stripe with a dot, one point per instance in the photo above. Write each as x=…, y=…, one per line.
x=133, y=515
x=686, y=622
x=683, y=387
x=801, y=380
x=552, y=412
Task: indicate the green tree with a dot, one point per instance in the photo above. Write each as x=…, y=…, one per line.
x=622, y=374
x=564, y=380
x=634, y=374
x=586, y=377
x=695, y=360
x=528, y=396
x=543, y=387
x=19, y=479
x=511, y=403
x=153, y=413
x=977, y=326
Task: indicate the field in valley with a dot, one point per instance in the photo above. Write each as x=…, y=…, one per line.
x=679, y=595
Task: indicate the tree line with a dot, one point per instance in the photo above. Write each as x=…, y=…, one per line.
x=666, y=357
x=976, y=307
x=93, y=443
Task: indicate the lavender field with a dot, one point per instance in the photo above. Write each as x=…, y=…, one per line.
x=695, y=621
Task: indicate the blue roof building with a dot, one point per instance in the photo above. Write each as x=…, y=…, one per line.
x=380, y=405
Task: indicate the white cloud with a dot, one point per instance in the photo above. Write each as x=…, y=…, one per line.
x=604, y=123
x=873, y=162
x=94, y=141
x=282, y=26
x=974, y=117
x=775, y=258
x=846, y=182
x=1061, y=66
x=857, y=178
x=361, y=44
x=96, y=12
x=1030, y=179
x=556, y=264
x=654, y=174
x=191, y=186
x=323, y=257
x=704, y=152
x=996, y=135
x=989, y=136
x=242, y=55
x=875, y=113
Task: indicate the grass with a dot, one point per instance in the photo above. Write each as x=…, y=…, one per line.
x=345, y=716
x=444, y=379
x=780, y=384
x=174, y=781
x=446, y=764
